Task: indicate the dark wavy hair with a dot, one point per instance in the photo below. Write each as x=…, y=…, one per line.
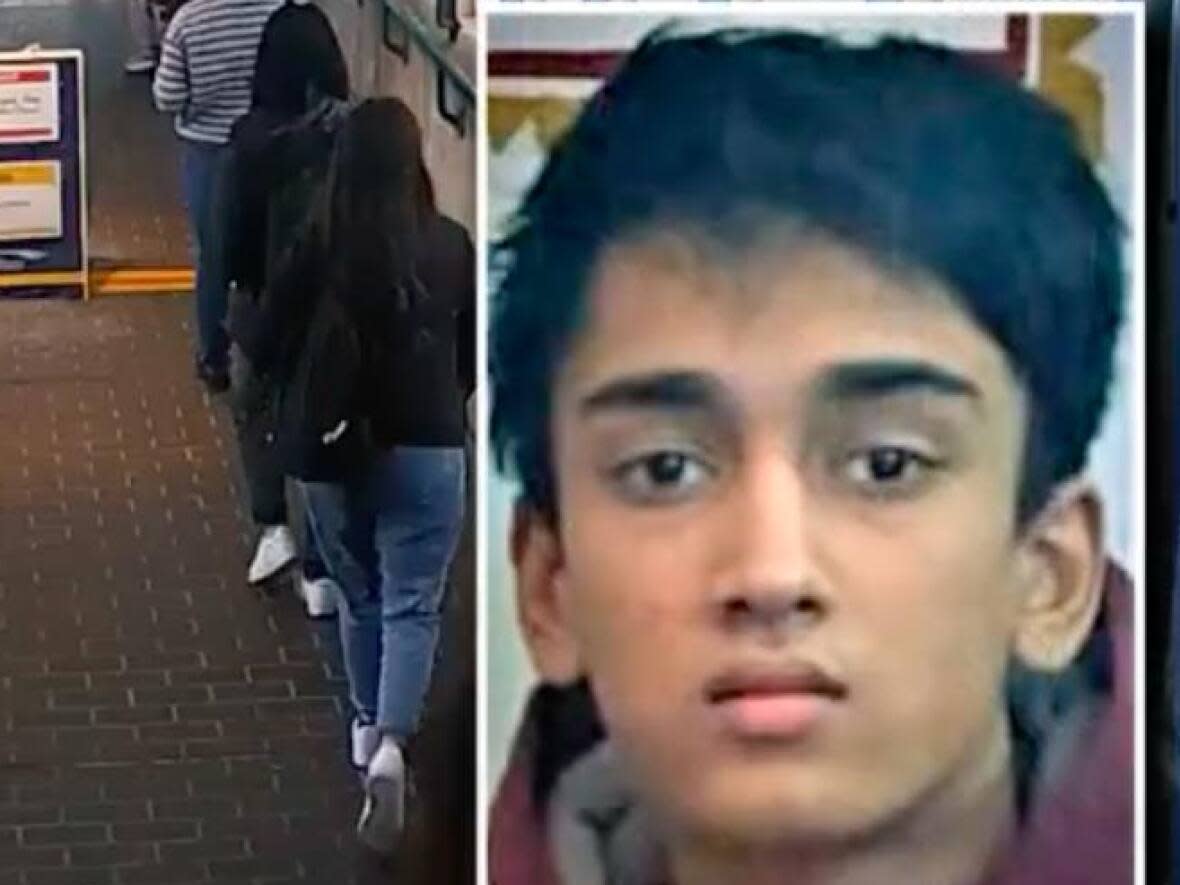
x=912, y=154
x=358, y=242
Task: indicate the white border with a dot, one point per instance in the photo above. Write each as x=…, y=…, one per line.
x=83, y=186
x=664, y=9
x=1139, y=435
x=483, y=792
x=1032, y=58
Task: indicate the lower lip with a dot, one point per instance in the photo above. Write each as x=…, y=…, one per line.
x=770, y=716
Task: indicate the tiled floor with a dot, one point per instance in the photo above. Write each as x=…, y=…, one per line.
x=136, y=215
x=159, y=721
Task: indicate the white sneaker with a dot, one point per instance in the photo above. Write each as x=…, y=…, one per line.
x=276, y=550
x=384, y=810
x=319, y=596
x=140, y=64
x=365, y=741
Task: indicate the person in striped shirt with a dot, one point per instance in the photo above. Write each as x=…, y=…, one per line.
x=204, y=78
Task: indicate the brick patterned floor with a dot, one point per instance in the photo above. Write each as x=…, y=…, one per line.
x=159, y=721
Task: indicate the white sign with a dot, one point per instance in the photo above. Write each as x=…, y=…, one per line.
x=30, y=201
x=28, y=103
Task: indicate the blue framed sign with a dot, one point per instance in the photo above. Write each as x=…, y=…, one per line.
x=43, y=233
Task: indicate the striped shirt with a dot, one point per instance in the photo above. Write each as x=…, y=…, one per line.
x=207, y=65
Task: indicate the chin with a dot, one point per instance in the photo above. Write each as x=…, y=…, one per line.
x=766, y=812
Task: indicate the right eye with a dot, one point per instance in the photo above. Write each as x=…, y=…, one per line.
x=661, y=477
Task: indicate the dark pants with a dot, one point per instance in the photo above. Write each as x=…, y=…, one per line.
x=266, y=484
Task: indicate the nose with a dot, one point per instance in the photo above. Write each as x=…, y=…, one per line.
x=765, y=582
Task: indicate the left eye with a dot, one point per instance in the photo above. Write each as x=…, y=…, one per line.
x=887, y=468
x=661, y=477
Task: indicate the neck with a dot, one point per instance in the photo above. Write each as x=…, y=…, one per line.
x=951, y=837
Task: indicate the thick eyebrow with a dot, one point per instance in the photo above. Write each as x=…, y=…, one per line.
x=702, y=392
x=663, y=391
x=878, y=379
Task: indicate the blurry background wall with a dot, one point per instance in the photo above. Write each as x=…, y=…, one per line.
x=372, y=34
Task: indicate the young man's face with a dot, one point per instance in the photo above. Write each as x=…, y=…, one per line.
x=786, y=556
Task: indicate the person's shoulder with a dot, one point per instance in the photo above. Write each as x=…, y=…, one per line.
x=304, y=144
x=451, y=232
x=186, y=11
x=445, y=246
x=194, y=13
x=453, y=247
x=180, y=18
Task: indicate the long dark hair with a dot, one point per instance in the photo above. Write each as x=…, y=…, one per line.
x=379, y=197
x=299, y=61
x=358, y=245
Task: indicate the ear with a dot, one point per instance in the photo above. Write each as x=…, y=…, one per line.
x=1063, y=568
x=542, y=604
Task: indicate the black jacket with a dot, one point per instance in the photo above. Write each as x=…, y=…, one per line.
x=420, y=379
x=276, y=162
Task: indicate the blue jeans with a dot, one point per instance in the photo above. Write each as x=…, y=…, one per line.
x=200, y=174
x=387, y=538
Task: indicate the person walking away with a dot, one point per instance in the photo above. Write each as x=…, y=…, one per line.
x=204, y=78
x=379, y=357
x=278, y=154
x=141, y=25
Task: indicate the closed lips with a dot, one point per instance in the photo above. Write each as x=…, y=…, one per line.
x=794, y=679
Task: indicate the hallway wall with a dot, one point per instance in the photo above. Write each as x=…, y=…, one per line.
x=378, y=71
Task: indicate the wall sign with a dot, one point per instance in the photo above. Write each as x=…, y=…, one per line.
x=43, y=235
x=30, y=201
x=29, y=111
